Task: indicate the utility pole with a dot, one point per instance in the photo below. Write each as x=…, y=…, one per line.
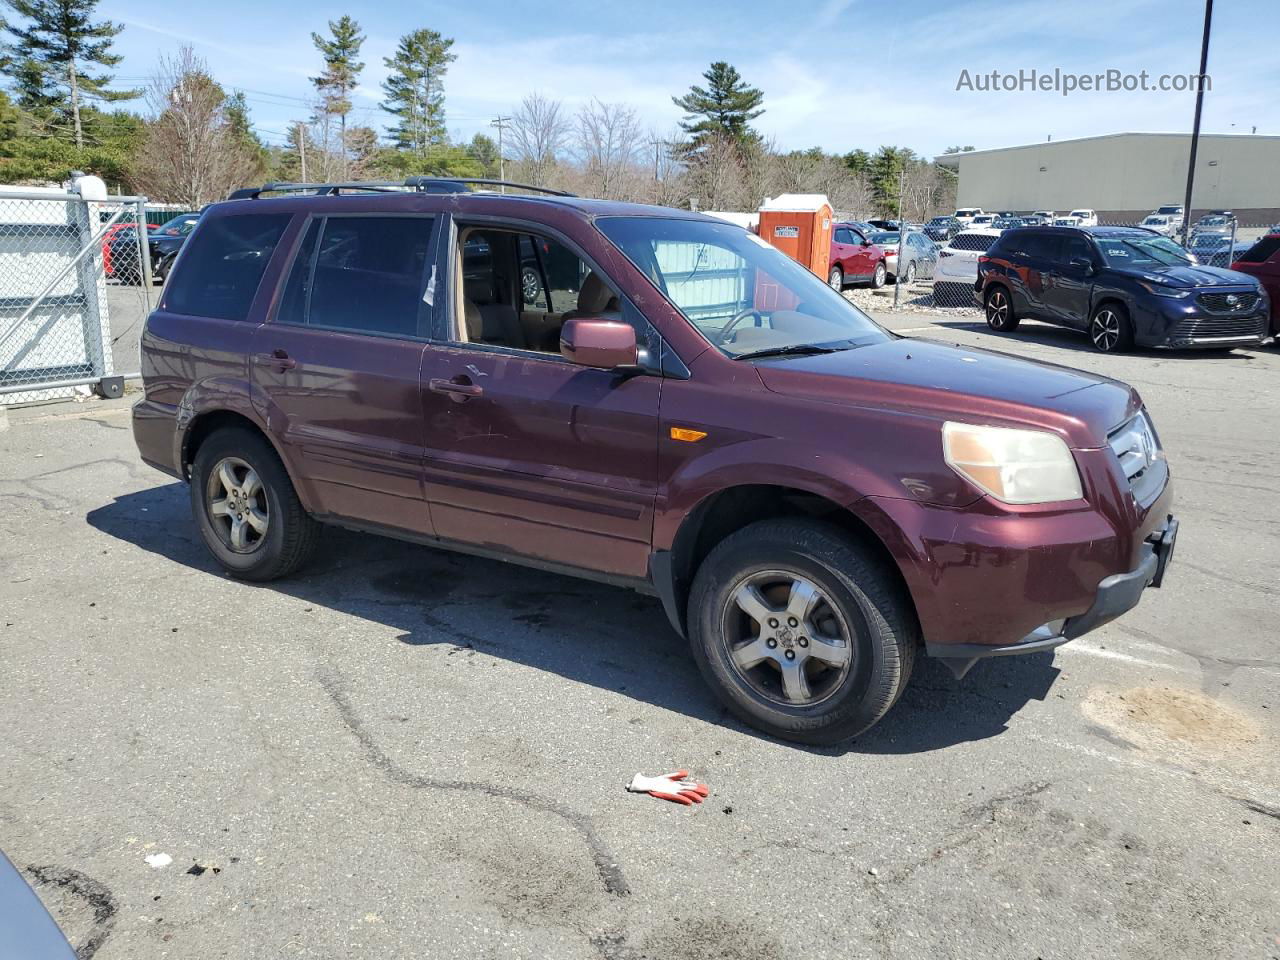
x=902, y=234
x=500, y=123
x=302, y=149
x=1195, y=125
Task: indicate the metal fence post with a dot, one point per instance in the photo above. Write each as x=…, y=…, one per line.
x=144, y=253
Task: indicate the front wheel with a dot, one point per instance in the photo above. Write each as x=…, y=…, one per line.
x=878, y=278
x=836, y=279
x=1110, y=330
x=800, y=631
x=246, y=508
x=911, y=273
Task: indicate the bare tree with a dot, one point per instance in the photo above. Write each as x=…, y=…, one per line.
x=717, y=177
x=539, y=133
x=191, y=154
x=609, y=141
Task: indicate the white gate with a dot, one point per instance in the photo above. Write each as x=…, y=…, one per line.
x=73, y=267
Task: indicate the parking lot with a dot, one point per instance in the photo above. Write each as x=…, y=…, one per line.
x=408, y=753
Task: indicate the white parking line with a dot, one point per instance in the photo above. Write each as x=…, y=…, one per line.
x=1089, y=649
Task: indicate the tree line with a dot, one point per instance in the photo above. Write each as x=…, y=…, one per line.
x=193, y=140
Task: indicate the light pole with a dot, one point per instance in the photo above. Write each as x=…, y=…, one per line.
x=1195, y=125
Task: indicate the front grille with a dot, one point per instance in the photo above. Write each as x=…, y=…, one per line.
x=1141, y=457
x=1199, y=327
x=1228, y=302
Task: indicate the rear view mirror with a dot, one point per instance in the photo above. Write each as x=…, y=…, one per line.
x=600, y=343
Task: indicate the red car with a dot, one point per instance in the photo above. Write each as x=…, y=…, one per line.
x=1262, y=260
x=855, y=259
x=689, y=412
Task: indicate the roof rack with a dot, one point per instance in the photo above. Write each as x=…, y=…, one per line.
x=416, y=184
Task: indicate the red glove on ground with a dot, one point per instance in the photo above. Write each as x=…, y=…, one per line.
x=671, y=786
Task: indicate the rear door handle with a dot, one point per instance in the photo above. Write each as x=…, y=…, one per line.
x=459, y=388
x=277, y=358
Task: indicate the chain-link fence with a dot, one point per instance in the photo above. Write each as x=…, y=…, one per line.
x=75, y=290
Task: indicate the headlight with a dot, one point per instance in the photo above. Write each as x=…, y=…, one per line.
x=1161, y=290
x=1014, y=466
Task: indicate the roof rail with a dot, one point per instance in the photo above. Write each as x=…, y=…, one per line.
x=420, y=184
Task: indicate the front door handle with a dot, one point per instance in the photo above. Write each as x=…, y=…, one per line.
x=278, y=359
x=460, y=388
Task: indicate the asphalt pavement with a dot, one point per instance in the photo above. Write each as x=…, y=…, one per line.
x=406, y=753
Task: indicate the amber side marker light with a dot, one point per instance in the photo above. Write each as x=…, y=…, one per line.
x=687, y=435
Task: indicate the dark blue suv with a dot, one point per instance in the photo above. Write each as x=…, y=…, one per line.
x=1124, y=286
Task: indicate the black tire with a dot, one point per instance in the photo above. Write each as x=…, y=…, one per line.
x=854, y=585
x=1110, y=329
x=910, y=277
x=998, y=306
x=291, y=534
x=835, y=279
x=881, y=274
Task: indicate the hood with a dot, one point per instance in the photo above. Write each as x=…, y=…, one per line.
x=1191, y=276
x=959, y=383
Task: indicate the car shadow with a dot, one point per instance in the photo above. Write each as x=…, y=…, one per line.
x=1049, y=335
x=609, y=637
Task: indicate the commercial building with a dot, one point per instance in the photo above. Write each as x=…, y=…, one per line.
x=1124, y=176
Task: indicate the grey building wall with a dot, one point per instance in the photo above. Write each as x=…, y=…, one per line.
x=1124, y=175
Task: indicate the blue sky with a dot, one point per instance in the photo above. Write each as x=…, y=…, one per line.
x=839, y=74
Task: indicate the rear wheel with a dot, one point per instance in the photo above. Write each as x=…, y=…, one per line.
x=911, y=273
x=800, y=631
x=1110, y=330
x=999, y=309
x=836, y=278
x=878, y=278
x=246, y=508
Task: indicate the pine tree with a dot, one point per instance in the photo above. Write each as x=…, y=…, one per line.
x=51, y=51
x=341, y=70
x=415, y=90
x=241, y=132
x=724, y=108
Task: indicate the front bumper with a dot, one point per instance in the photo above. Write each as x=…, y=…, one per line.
x=1116, y=595
x=1184, y=325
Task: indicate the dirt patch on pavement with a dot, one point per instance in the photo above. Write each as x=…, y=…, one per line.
x=1172, y=717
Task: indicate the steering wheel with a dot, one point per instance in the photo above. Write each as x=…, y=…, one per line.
x=728, y=328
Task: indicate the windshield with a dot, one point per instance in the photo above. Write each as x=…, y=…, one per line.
x=1155, y=221
x=1214, y=221
x=743, y=295
x=1169, y=211
x=939, y=221
x=1141, y=252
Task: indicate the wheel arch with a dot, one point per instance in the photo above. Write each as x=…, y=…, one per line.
x=204, y=424
x=728, y=510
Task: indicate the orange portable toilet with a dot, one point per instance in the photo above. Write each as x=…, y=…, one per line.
x=799, y=224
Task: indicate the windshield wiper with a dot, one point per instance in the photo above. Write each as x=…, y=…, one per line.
x=793, y=350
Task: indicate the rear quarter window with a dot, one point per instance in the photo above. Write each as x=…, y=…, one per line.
x=223, y=264
x=1262, y=251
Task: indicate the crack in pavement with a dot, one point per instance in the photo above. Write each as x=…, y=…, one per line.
x=611, y=874
x=93, y=892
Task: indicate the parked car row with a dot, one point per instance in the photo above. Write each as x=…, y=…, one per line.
x=121, y=253
x=860, y=255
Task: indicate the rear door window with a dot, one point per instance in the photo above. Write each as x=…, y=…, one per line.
x=362, y=274
x=223, y=264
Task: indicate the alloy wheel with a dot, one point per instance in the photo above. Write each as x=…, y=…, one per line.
x=237, y=503
x=997, y=310
x=911, y=273
x=1104, y=331
x=836, y=279
x=785, y=638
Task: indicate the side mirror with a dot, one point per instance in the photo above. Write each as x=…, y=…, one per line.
x=600, y=343
x=1083, y=264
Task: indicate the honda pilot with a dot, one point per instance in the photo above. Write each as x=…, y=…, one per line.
x=678, y=408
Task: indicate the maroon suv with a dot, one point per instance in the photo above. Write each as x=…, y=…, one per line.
x=669, y=404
